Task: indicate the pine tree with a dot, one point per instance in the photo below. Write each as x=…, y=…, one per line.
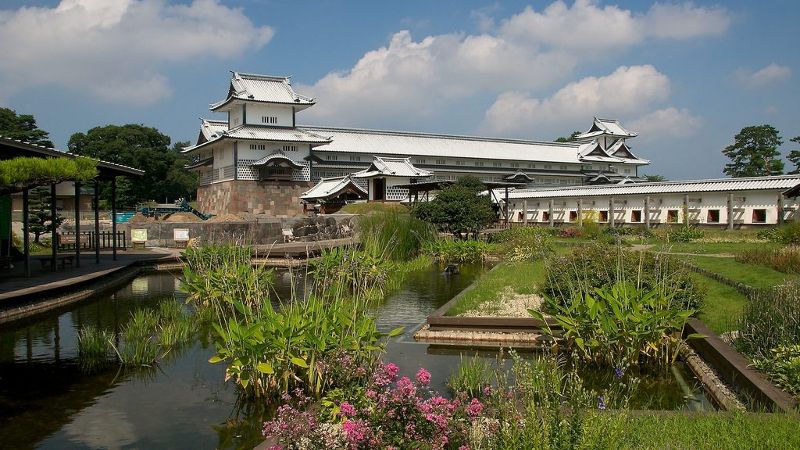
x=794, y=157
x=39, y=219
x=755, y=152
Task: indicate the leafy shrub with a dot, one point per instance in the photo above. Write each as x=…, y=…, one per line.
x=620, y=325
x=639, y=232
x=461, y=209
x=524, y=243
x=788, y=234
x=598, y=265
x=783, y=367
x=447, y=251
x=771, y=319
x=571, y=232
x=684, y=233
x=786, y=259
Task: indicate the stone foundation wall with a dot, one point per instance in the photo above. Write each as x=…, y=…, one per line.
x=272, y=198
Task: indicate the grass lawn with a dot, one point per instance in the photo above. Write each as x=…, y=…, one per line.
x=711, y=247
x=712, y=431
x=751, y=274
x=722, y=304
x=522, y=278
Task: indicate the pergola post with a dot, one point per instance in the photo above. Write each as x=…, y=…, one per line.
x=53, y=231
x=550, y=220
x=686, y=209
x=611, y=212
x=730, y=210
x=506, y=207
x=647, y=211
x=525, y=212
x=114, y=218
x=97, y=221
x=580, y=212
x=26, y=230
x=780, y=209
x=77, y=224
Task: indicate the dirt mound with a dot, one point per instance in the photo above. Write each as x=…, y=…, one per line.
x=182, y=217
x=226, y=218
x=139, y=218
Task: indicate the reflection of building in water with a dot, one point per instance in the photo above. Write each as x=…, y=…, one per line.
x=140, y=285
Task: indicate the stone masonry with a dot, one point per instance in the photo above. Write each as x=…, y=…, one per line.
x=276, y=199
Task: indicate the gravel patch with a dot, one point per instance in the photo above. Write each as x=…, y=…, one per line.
x=510, y=304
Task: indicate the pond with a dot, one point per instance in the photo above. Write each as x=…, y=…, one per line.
x=47, y=402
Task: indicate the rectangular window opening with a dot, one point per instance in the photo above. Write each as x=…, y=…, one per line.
x=712, y=216
x=759, y=216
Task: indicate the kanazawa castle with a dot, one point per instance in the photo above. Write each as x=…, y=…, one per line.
x=259, y=160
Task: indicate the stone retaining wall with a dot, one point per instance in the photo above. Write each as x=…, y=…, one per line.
x=277, y=199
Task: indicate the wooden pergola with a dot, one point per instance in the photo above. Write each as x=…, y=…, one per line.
x=106, y=171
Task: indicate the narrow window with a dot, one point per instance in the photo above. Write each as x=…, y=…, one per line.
x=545, y=216
x=603, y=216
x=441, y=161
x=672, y=215
x=289, y=148
x=712, y=216
x=759, y=216
x=573, y=216
x=636, y=216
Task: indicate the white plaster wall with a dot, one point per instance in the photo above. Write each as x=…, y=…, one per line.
x=659, y=205
x=235, y=116
x=284, y=114
x=245, y=152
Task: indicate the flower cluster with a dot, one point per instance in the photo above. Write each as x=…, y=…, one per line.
x=391, y=412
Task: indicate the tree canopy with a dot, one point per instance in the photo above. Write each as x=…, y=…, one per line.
x=794, y=156
x=459, y=209
x=655, y=178
x=754, y=152
x=17, y=174
x=572, y=137
x=145, y=148
x=22, y=127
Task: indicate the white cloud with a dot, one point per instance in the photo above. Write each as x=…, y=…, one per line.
x=685, y=21
x=625, y=92
x=528, y=52
x=666, y=123
x=113, y=49
x=771, y=74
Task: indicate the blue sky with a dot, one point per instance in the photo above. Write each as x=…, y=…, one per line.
x=686, y=76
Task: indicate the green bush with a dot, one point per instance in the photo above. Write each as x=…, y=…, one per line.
x=783, y=367
x=684, y=233
x=598, y=265
x=788, y=234
x=524, y=243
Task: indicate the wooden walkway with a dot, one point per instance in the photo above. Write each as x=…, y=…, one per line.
x=300, y=249
x=42, y=283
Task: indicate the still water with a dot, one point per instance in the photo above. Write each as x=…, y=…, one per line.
x=47, y=402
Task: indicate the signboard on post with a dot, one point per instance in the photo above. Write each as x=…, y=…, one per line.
x=180, y=236
x=139, y=237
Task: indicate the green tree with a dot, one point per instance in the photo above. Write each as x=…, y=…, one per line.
x=40, y=219
x=794, y=156
x=22, y=127
x=655, y=178
x=459, y=209
x=754, y=152
x=142, y=147
x=570, y=138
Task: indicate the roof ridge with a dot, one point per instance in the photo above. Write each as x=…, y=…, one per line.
x=442, y=135
x=256, y=76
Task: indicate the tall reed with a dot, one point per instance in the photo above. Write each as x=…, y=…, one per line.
x=771, y=319
x=393, y=234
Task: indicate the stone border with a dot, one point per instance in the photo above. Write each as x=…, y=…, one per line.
x=735, y=370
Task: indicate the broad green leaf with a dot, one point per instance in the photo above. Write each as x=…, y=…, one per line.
x=265, y=368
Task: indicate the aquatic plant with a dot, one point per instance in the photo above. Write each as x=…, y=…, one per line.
x=472, y=376
x=771, y=319
x=619, y=325
x=93, y=348
x=458, y=251
x=782, y=366
x=393, y=235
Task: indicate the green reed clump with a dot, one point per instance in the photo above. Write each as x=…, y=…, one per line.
x=393, y=234
x=785, y=259
x=93, y=348
x=472, y=376
x=771, y=319
x=458, y=251
x=524, y=243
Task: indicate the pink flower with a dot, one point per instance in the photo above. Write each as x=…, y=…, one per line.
x=423, y=376
x=475, y=407
x=347, y=410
